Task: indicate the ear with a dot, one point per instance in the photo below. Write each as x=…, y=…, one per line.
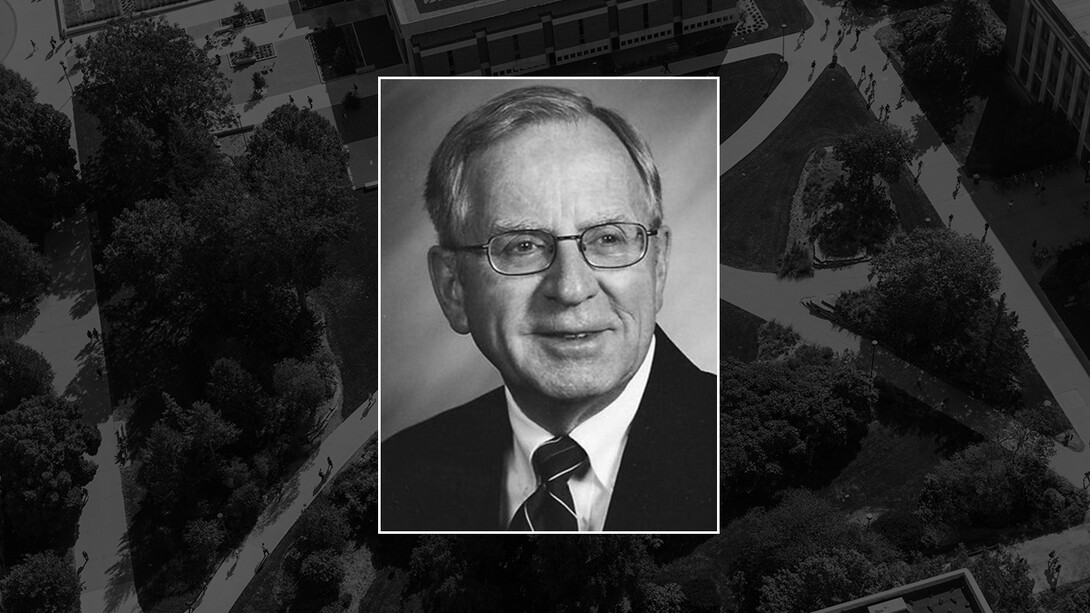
x=445, y=281
x=662, y=263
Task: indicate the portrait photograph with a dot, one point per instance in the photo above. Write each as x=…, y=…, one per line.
x=548, y=305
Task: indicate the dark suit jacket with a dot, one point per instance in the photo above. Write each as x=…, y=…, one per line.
x=446, y=473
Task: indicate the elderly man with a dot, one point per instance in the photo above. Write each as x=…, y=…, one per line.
x=553, y=256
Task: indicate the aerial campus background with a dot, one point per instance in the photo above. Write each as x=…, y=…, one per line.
x=187, y=361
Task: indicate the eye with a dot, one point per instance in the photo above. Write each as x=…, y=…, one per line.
x=520, y=244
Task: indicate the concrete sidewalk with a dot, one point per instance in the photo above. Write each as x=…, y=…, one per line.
x=67, y=313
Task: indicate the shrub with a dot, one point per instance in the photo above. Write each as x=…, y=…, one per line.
x=351, y=101
x=342, y=62
x=321, y=573
x=259, y=80
x=796, y=263
x=775, y=340
x=249, y=47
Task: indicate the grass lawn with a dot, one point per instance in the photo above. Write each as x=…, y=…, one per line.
x=348, y=297
x=737, y=332
x=793, y=13
x=906, y=441
x=755, y=195
x=742, y=89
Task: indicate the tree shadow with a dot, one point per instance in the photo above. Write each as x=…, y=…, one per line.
x=120, y=585
x=89, y=388
x=285, y=496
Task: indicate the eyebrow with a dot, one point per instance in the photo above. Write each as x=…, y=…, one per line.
x=501, y=226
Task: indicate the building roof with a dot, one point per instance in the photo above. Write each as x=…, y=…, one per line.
x=952, y=592
x=412, y=11
x=1077, y=13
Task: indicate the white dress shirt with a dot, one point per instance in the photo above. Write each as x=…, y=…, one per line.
x=602, y=436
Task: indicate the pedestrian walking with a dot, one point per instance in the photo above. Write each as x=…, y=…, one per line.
x=919, y=383
x=264, y=551
x=355, y=88
x=862, y=72
x=86, y=558
x=950, y=221
x=52, y=43
x=919, y=166
x=291, y=99
x=98, y=372
x=839, y=34
x=887, y=110
x=666, y=67
x=942, y=405
x=33, y=47
x=826, y=24
x=1010, y=205
x=813, y=64
x=90, y=336
x=310, y=102
x=871, y=76
x=94, y=331
x=857, y=31
x=886, y=65
x=329, y=462
x=1034, y=244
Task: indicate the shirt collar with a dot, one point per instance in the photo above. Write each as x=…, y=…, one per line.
x=602, y=435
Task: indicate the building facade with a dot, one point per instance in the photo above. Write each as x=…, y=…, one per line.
x=952, y=592
x=507, y=37
x=1048, y=55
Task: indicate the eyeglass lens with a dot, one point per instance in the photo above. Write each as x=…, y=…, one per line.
x=612, y=245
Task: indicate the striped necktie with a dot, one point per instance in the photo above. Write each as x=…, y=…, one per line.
x=550, y=507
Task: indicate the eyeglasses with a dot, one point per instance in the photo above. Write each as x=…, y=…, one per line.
x=525, y=252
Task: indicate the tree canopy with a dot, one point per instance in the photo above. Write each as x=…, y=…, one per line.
x=785, y=422
x=874, y=149
x=44, y=467
x=38, y=180
x=25, y=273
x=24, y=373
x=42, y=582
x=177, y=79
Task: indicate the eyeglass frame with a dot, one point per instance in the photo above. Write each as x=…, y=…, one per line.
x=578, y=238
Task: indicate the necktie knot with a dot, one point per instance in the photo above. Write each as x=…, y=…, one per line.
x=558, y=459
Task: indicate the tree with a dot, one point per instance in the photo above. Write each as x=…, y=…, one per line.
x=203, y=538
x=38, y=180
x=301, y=387
x=14, y=84
x=44, y=466
x=177, y=85
x=932, y=285
x=292, y=127
x=826, y=579
x=858, y=217
x=25, y=273
x=42, y=582
x=182, y=453
x=238, y=396
x=24, y=373
x=322, y=527
x=355, y=492
x=321, y=573
x=783, y=423
x=875, y=149
x=766, y=541
x=973, y=33
x=988, y=485
x=174, y=75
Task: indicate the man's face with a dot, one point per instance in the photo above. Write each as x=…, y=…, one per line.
x=571, y=334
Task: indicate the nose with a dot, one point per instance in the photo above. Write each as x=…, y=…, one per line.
x=570, y=280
